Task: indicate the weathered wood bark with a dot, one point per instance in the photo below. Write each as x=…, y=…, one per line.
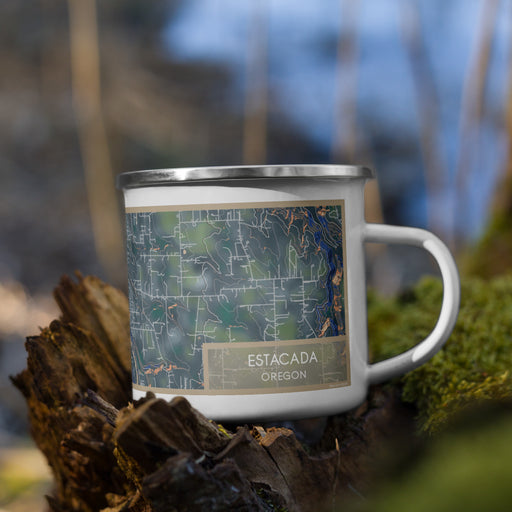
x=110, y=454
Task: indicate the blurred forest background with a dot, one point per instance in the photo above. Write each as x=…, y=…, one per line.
x=420, y=90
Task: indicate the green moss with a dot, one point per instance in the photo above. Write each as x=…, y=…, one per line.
x=463, y=469
x=475, y=362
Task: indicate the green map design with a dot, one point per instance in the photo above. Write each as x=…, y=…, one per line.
x=229, y=275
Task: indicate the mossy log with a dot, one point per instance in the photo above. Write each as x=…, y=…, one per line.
x=108, y=453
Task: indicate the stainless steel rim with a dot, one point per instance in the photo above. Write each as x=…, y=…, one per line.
x=156, y=177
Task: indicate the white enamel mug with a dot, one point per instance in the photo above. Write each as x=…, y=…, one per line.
x=247, y=289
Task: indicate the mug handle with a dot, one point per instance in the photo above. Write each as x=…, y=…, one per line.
x=424, y=350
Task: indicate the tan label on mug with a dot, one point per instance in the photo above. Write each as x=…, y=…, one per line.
x=266, y=366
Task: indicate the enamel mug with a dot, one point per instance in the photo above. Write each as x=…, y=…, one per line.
x=247, y=289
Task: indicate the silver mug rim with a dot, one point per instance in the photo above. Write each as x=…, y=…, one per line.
x=182, y=175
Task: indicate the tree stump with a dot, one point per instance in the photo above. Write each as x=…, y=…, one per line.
x=108, y=453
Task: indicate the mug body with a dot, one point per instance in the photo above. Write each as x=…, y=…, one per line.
x=247, y=288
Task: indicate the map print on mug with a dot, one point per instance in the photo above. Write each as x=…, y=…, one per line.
x=213, y=288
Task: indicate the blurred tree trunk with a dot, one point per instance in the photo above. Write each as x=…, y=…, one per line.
x=255, y=116
x=472, y=109
x=86, y=83
x=492, y=255
x=427, y=100
x=345, y=145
